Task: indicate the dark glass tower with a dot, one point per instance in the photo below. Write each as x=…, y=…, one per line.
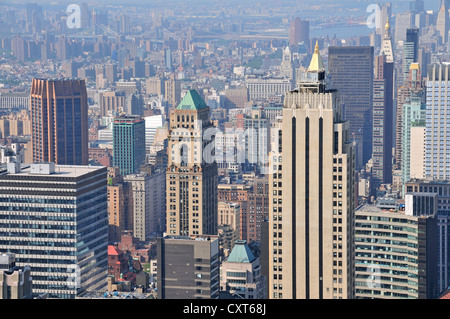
x=351, y=73
x=410, y=50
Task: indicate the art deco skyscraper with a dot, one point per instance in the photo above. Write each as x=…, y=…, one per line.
x=311, y=194
x=59, y=121
x=191, y=177
x=443, y=21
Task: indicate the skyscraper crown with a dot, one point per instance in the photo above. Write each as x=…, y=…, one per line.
x=316, y=64
x=192, y=101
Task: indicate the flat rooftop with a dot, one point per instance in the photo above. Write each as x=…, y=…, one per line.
x=59, y=171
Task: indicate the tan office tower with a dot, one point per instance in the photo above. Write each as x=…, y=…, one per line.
x=59, y=121
x=172, y=91
x=311, y=195
x=191, y=177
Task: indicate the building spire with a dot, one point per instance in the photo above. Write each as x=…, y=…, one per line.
x=387, y=27
x=316, y=60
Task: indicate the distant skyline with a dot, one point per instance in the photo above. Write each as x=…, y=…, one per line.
x=351, y=6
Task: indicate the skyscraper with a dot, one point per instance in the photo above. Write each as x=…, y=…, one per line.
x=188, y=267
x=384, y=13
x=152, y=123
x=172, y=91
x=403, y=21
x=148, y=201
x=386, y=46
x=191, y=178
x=128, y=144
x=382, y=121
x=400, y=268
x=351, y=73
x=311, y=194
x=443, y=21
x=441, y=188
x=437, y=144
x=413, y=86
x=298, y=32
x=410, y=50
x=59, y=119
x=60, y=226
x=257, y=139
x=414, y=115
x=168, y=59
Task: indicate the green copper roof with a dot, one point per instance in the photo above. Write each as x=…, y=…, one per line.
x=192, y=101
x=241, y=253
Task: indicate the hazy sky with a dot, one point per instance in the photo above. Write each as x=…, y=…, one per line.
x=429, y=4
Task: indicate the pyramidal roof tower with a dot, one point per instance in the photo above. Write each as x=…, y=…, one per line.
x=316, y=64
x=314, y=79
x=192, y=101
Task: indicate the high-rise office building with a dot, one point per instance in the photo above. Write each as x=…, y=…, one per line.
x=148, y=203
x=414, y=116
x=155, y=85
x=168, y=59
x=59, y=120
x=128, y=144
x=351, y=73
x=151, y=124
x=258, y=208
x=172, y=91
x=410, y=50
x=188, y=267
x=85, y=19
x=191, y=178
x=437, y=145
x=382, y=121
x=403, y=21
x=311, y=194
x=441, y=188
x=119, y=209
x=413, y=87
x=237, y=193
x=112, y=103
x=416, y=5
x=385, y=11
x=111, y=72
x=298, y=32
x=257, y=139
x=396, y=251
x=60, y=226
